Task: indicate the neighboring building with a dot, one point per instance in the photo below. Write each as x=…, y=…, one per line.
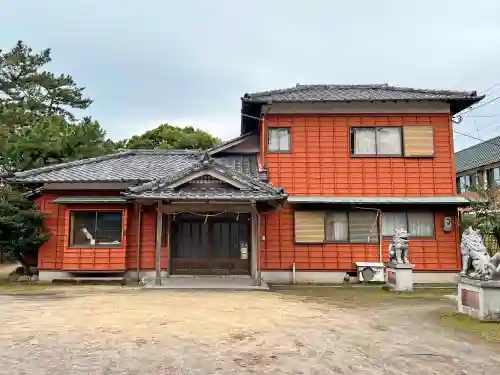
x=318, y=180
x=478, y=165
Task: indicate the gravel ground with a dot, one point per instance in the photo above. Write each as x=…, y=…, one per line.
x=107, y=330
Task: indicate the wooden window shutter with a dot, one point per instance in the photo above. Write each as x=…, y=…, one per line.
x=309, y=226
x=418, y=140
x=363, y=227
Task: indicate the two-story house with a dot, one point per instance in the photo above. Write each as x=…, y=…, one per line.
x=318, y=180
x=478, y=165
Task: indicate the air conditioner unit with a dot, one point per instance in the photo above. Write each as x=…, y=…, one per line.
x=370, y=272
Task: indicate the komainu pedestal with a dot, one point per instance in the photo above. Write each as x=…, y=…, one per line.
x=479, y=299
x=479, y=282
x=399, y=271
x=399, y=277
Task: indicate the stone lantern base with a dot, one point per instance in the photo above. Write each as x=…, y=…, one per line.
x=399, y=277
x=479, y=299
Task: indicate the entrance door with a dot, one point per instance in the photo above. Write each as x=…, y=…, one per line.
x=211, y=246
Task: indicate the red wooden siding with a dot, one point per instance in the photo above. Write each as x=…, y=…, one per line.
x=57, y=255
x=278, y=250
x=320, y=162
x=98, y=258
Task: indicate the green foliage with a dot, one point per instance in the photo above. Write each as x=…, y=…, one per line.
x=24, y=83
x=21, y=226
x=168, y=136
x=485, y=213
x=38, y=127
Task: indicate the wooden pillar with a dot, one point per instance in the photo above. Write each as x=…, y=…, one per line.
x=169, y=236
x=159, y=232
x=255, y=244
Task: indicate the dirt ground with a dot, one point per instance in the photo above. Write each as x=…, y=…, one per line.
x=113, y=330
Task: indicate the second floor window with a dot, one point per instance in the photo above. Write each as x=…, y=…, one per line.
x=464, y=183
x=376, y=141
x=494, y=177
x=278, y=140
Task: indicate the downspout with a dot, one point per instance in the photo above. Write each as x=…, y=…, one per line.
x=263, y=135
x=139, y=230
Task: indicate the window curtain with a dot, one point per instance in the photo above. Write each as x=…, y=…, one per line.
x=284, y=139
x=389, y=141
x=273, y=140
x=421, y=224
x=391, y=221
x=364, y=142
x=278, y=139
x=337, y=226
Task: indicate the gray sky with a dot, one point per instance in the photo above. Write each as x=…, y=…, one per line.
x=189, y=62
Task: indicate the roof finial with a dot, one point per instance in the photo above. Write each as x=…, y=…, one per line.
x=297, y=84
x=206, y=158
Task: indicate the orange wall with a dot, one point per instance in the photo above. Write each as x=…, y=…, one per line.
x=320, y=162
x=278, y=251
x=56, y=255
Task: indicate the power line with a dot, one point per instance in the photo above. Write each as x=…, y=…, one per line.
x=480, y=105
x=492, y=87
x=487, y=126
x=478, y=116
x=476, y=138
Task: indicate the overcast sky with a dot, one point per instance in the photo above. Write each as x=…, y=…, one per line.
x=188, y=62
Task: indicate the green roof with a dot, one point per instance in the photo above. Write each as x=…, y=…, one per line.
x=453, y=200
x=89, y=200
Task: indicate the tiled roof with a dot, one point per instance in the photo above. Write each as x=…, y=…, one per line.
x=479, y=155
x=336, y=93
x=130, y=165
x=162, y=188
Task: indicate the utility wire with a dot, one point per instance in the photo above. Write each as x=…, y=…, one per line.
x=492, y=87
x=476, y=138
x=480, y=105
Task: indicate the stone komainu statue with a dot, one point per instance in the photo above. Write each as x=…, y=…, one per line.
x=398, y=249
x=476, y=262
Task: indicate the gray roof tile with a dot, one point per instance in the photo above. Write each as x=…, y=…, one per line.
x=479, y=155
x=378, y=92
x=253, y=188
x=131, y=165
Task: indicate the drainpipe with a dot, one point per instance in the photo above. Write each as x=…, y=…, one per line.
x=379, y=222
x=139, y=227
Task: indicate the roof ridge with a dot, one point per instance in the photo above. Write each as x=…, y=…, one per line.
x=225, y=145
x=479, y=144
x=384, y=86
x=202, y=163
x=54, y=167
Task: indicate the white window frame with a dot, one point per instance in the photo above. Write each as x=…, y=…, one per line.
x=377, y=130
x=284, y=141
x=407, y=223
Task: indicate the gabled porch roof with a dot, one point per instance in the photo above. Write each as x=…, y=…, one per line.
x=224, y=183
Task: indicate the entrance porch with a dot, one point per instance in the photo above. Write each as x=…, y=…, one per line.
x=207, y=243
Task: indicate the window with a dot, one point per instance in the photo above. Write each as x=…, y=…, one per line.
x=494, y=177
x=337, y=228
x=418, y=224
x=467, y=181
x=278, y=140
x=96, y=228
x=376, y=141
x=354, y=227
